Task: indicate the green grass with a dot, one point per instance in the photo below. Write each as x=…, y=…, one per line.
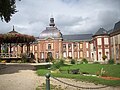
x=112, y=70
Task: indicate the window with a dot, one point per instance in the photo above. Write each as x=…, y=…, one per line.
x=57, y=55
x=99, y=52
x=81, y=54
x=64, y=46
x=49, y=46
x=35, y=47
x=75, y=46
x=69, y=46
x=87, y=54
x=100, y=56
x=99, y=41
x=30, y=48
x=64, y=54
x=106, y=40
x=70, y=54
x=80, y=45
x=42, y=55
x=86, y=45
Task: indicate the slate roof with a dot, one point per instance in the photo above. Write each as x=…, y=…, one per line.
x=77, y=37
x=110, y=31
x=101, y=31
x=117, y=26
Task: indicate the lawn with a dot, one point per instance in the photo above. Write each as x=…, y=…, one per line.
x=112, y=70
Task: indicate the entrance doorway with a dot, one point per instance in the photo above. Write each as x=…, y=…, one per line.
x=49, y=56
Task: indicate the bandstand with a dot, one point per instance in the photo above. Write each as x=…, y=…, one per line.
x=13, y=38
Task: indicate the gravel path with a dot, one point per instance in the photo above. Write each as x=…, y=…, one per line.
x=23, y=77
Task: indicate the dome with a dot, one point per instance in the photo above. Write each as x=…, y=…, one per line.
x=51, y=31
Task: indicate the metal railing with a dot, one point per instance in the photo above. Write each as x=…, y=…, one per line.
x=81, y=87
x=9, y=55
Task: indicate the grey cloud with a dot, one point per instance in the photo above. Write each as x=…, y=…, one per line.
x=71, y=16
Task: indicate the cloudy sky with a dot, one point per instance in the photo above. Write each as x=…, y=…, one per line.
x=71, y=16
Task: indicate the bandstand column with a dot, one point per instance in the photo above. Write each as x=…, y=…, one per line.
x=0, y=47
x=28, y=48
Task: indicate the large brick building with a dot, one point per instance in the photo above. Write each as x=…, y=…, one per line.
x=51, y=42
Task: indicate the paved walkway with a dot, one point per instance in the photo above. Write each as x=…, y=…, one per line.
x=23, y=77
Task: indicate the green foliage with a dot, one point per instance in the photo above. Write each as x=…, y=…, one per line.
x=16, y=38
x=49, y=59
x=57, y=64
x=96, y=63
x=118, y=63
x=104, y=57
x=72, y=61
x=61, y=61
x=84, y=61
x=7, y=9
x=111, y=61
x=69, y=57
x=13, y=61
x=112, y=70
x=24, y=58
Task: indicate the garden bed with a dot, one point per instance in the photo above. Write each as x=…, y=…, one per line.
x=110, y=78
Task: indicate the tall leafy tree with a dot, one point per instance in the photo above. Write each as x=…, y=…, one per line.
x=7, y=9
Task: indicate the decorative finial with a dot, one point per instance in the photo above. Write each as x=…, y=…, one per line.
x=13, y=28
x=52, y=22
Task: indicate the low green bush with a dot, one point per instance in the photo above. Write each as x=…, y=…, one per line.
x=72, y=61
x=49, y=59
x=118, y=63
x=57, y=64
x=61, y=61
x=96, y=63
x=24, y=58
x=84, y=61
x=111, y=61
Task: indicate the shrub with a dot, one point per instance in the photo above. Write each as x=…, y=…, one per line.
x=104, y=57
x=57, y=64
x=84, y=61
x=96, y=63
x=61, y=62
x=118, y=63
x=3, y=61
x=49, y=59
x=24, y=58
x=111, y=61
x=72, y=61
x=69, y=57
x=13, y=61
x=19, y=61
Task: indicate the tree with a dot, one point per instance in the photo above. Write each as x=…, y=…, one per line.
x=7, y=9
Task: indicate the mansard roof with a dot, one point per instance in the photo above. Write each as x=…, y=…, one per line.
x=77, y=37
x=116, y=29
x=117, y=26
x=101, y=31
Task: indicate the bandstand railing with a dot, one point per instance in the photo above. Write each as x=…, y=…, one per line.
x=10, y=55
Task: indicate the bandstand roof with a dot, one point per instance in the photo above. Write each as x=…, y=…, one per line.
x=15, y=37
